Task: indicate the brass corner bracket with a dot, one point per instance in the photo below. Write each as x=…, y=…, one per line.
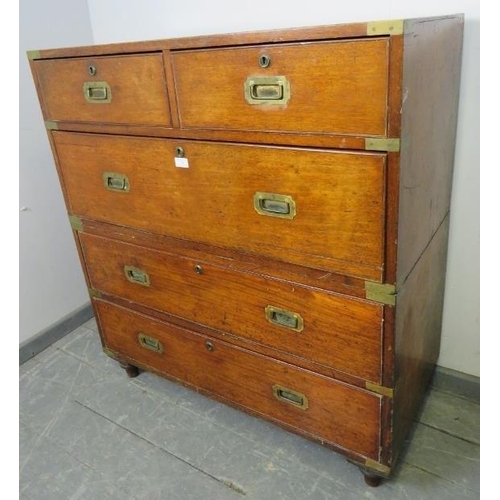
x=379, y=389
x=392, y=27
x=381, y=292
x=75, y=223
x=383, y=144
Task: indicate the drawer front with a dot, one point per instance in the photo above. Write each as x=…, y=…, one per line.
x=234, y=196
x=121, y=89
x=329, y=410
x=336, y=87
x=337, y=331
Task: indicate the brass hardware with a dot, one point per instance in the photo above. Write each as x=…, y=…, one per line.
x=33, y=54
x=179, y=152
x=198, y=269
x=383, y=469
x=109, y=352
x=387, y=144
x=50, y=125
x=97, y=92
x=137, y=276
x=381, y=292
x=274, y=205
x=264, y=61
x=393, y=27
x=94, y=293
x=116, y=182
x=267, y=90
x=75, y=223
x=284, y=318
x=209, y=346
x=290, y=396
x=92, y=70
x=379, y=389
x=150, y=343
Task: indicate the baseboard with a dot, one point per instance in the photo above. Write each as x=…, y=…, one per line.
x=55, y=332
x=455, y=382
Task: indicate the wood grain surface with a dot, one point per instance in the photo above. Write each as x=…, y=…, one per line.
x=137, y=83
x=338, y=87
x=336, y=412
x=339, y=225
x=338, y=331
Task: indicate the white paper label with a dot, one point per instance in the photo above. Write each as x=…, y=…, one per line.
x=181, y=162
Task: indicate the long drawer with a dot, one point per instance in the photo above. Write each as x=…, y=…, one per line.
x=314, y=208
x=329, y=410
x=118, y=89
x=335, y=330
x=335, y=87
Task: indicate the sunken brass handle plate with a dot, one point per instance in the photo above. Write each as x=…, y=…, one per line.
x=267, y=90
x=137, y=276
x=116, y=182
x=97, y=92
x=284, y=318
x=150, y=343
x=274, y=205
x=290, y=396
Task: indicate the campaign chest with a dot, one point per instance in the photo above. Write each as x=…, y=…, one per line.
x=264, y=216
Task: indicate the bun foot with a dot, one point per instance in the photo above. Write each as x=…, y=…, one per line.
x=372, y=480
x=132, y=371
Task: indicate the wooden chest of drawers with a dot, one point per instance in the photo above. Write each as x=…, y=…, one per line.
x=264, y=216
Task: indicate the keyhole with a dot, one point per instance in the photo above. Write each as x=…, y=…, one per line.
x=179, y=152
x=264, y=61
x=92, y=70
x=198, y=269
x=209, y=346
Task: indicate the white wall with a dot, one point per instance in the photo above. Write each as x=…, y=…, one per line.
x=51, y=283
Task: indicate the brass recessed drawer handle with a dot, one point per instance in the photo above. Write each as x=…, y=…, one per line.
x=97, y=92
x=137, y=276
x=284, y=318
x=267, y=90
x=290, y=396
x=116, y=182
x=274, y=205
x=150, y=343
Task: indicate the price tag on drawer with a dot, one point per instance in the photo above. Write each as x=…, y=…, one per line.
x=181, y=162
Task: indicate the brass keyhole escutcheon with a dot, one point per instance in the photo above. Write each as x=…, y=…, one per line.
x=209, y=346
x=264, y=61
x=198, y=269
x=92, y=70
x=179, y=152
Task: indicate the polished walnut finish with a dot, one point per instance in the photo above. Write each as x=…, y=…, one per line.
x=264, y=216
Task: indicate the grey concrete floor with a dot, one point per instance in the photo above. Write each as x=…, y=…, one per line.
x=89, y=432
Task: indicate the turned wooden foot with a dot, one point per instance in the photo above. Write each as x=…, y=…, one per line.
x=371, y=479
x=132, y=371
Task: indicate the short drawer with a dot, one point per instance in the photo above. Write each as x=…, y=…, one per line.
x=119, y=90
x=337, y=331
x=331, y=411
x=337, y=87
x=315, y=208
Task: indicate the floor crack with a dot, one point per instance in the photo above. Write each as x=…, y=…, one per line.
x=224, y=482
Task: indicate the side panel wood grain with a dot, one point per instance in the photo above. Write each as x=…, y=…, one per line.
x=339, y=197
x=338, y=331
x=419, y=314
x=336, y=413
x=335, y=87
x=432, y=57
